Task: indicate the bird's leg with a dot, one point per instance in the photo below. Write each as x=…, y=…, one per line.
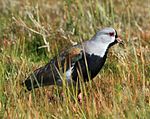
x=62, y=94
x=80, y=97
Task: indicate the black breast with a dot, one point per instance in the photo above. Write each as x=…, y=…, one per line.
x=89, y=67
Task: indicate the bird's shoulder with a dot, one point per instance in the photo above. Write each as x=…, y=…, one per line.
x=74, y=53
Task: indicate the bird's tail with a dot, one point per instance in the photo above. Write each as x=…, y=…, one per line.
x=40, y=77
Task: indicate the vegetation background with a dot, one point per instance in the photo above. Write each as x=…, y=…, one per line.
x=33, y=31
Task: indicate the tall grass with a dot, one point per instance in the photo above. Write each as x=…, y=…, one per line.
x=32, y=32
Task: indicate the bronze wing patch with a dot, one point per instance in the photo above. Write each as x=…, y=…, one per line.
x=73, y=54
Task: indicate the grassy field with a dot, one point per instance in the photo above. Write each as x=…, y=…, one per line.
x=33, y=31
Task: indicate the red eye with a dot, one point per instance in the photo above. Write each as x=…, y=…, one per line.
x=111, y=33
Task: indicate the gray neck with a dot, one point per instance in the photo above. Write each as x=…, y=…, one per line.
x=95, y=47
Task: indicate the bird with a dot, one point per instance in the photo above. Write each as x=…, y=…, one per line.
x=80, y=62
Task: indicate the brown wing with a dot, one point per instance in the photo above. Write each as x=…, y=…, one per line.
x=73, y=54
x=50, y=73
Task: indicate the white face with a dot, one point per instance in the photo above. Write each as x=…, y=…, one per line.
x=100, y=42
x=106, y=36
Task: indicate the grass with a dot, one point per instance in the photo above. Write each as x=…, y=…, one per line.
x=32, y=32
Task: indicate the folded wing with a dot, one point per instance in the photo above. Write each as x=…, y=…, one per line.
x=58, y=69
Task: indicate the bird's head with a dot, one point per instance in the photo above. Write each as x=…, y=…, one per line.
x=102, y=41
x=108, y=36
